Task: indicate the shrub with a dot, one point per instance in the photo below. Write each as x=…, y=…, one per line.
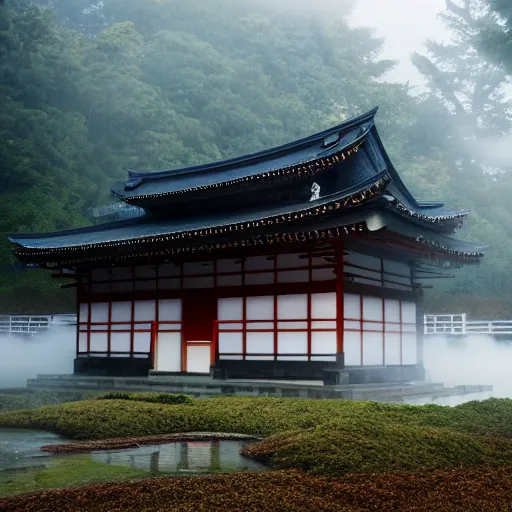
x=155, y=398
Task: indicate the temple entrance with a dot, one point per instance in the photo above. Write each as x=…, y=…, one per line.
x=199, y=315
x=167, y=336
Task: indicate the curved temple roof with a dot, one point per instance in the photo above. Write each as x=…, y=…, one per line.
x=333, y=143
x=355, y=191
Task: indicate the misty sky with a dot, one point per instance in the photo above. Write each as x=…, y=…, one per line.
x=405, y=24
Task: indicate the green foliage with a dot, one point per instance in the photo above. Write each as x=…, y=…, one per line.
x=154, y=398
x=16, y=399
x=62, y=473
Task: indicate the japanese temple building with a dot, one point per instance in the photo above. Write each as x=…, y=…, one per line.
x=307, y=261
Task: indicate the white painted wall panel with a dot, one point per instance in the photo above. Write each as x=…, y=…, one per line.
x=83, y=313
x=169, y=352
x=230, y=343
x=198, y=359
x=292, y=306
x=327, y=359
x=287, y=326
x=230, y=327
x=121, y=311
x=389, y=327
x=260, y=342
x=292, y=358
x=99, y=312
x=230, y=309
x=323, y=343
x=392, y=347
x=145, y=310
x=99, y=341
x=373, y=349
x=120, y=341
x=260, y=325
x=82, y=342
x=169, y=310
x=352, y=306
x=352, y=347
x=323, y=325
x=372, y=308
x=409, y=349
x=121, y=327
x=323, y=305
x=392, y=310
x=260, y=308
x=408, y=312
x=142, y=342
x=352, y=325
x=292, y=342
x=260, y=358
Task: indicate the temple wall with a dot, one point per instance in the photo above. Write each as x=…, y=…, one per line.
x=283, y=307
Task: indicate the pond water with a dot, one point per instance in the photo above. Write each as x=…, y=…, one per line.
x=21, y=449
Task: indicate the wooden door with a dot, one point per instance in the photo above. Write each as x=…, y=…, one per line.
x=199, y=314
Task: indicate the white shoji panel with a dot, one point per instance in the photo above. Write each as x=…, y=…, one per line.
x=83, y=313
x=99, y=312
x=323, y=343
x=372, y=308
x=373, y=349
x=352, y=306
x=230, y=309
x=352, y=348
x=292, y=342
x=409, y=349
x=260, y=342
x=392, y=348
x=145, y=310
x=142, y=342
x=82, y=342
x=323, y=305
x=260, y=308
x=169, y=310
x=121, y=311
x=392, y=310
x=408, y=312
x=169, y=352
x=230, y=343
x=99, y=341
x=120, y=341
x=292, y=307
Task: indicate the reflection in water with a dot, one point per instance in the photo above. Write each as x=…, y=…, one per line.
x=183, y=457
x=22, y=448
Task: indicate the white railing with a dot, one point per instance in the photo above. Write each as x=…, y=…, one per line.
x=29, y=325
x=459, y=325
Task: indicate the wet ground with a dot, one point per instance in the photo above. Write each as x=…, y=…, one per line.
x=21, y=449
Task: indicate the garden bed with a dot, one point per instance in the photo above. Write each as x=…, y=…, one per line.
x=478, y=490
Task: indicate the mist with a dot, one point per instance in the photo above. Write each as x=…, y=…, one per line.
x=24, y=358
x=471, y=360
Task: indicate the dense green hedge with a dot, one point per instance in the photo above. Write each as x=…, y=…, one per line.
x=22, y=398
x=154, y=398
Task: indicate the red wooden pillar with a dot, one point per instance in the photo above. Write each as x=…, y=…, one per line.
x=340, y=278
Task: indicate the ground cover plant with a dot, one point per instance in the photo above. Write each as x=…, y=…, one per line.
x=331, y=437
x=61, y=473
x=478, y=490
x=23, y=398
